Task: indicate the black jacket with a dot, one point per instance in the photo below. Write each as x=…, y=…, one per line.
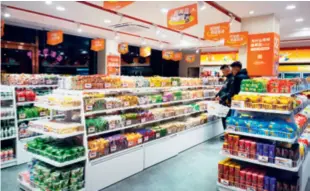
x=224, y=93
x=236, y=85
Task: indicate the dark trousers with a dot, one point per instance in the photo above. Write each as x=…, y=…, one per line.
x=224, y=119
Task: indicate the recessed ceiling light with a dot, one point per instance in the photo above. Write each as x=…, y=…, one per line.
x=164, y=10
x=48, y=2
x=299, y=20
x=60, y=8
x=79, y=30
x=107, y=21
x=290, y=7
x=6, y=15
x=251, y=12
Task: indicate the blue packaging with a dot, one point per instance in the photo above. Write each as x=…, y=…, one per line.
x=266, y=183
x=272, y=184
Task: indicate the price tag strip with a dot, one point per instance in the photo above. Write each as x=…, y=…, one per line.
x=284, y=162
x=263, y=159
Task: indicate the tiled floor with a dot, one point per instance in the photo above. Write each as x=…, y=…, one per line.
x=194, y=169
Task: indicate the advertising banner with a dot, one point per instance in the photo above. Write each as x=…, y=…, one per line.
x=97, y=44
x=263, y=54
x=182, y=17
x=218, y=58
x=190, y=58
x=167, y=54
x=116, y=5
x=177, y=56
x=113, y=65
x=236, y=39
x=216, y=32
x=123, y=48
x=145, y=51
x=301, y=55
x=54, y=37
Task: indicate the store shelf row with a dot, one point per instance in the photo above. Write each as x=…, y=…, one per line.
x=25, y=103
x=57, y=107
x=8, y=163
x=254, y=161
x=32, y=86
x=56, y=135
x=6, y=99
x=8, y=138
x=7, y=118
x=143, y=106
x=144, y=123
x=274, y=94
x=33, y=118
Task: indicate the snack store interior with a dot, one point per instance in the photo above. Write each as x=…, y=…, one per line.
x=155, y=95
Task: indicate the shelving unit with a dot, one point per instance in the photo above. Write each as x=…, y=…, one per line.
x=140, y=156
x=224, y=185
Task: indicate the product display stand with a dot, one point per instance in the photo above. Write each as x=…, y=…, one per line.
x=8, y=139
x=124, y=163
x=302, y=164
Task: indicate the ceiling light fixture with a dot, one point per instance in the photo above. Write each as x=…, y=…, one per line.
x=201, y=5
x=48, y=2
x=78, y=26
x=5, y=12
x=164, y=10
x=299, y=20
x=107, y=21
x=116, y=36
x=290, y=7
x=251, y=12
x=7, y=15
x=60, y=8
x=197, y=51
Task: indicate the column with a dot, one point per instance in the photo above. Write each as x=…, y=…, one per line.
x=111, y=48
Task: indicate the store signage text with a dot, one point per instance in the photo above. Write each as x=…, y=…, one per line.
x=182, y=17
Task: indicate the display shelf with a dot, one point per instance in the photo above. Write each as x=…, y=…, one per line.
x=56, y=135
x=293, y=169
x=264, y=110
x=143, y=106
x=293, y=140
x=8, y=138
x=55, y=163
x=145, y=123
x=57, y=107
x=31, y=119
x=273, y=94
x=25, y=103
x=223, y=187
x=7, y=118
x=6, y=99
x=35, y=86
x=8, y=163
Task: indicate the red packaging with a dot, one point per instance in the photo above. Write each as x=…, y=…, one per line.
x=241, y=145
x=230, y=139
x=231, y=170
x=226, y=137
x=260, y=181
x=253, y=150
x=242, y=178
x=247, y=146
x=248, y=179
x=226, y=171
x=254, y=179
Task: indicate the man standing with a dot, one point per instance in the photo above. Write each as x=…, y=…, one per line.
x=224, y=94
x=239, y=75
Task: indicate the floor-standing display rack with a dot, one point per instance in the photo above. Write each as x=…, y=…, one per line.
x=132, y=159
x=8, y=130
x=279, y=164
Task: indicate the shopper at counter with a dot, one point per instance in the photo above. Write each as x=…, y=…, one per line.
x=224, y=94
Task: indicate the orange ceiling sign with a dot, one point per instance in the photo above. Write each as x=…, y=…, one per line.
x=116, y=5
x=190, y=58
x=123, y=48
x=236, y=39
x=177, y=56
x=216, y=32
x=145, y=51
x=263, y=54
x=218, y=58
x=182, y=17
x=54, y=37
x=97, y=44
x=113, y=65
x=167, y=54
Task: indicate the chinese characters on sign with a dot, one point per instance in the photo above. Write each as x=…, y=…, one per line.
x=167, y=54
x=216, y=32
x=190, y=58
x=97, y=44
x=113, y=65
x=54, y=37
x=236, y=39
x=182, y=17
x=263, y=54
x=123, y=48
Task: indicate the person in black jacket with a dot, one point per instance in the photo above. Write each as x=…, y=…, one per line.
x=224, y=94
x=239, y=75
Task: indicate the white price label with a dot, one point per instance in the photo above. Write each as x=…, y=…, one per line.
x=22, y=116
x=21, y=99
x=164, y=99
x=48, y=82
x=125, y=85
x=126, y=104
x=139, y=84
x=91, y=129
x=262, y=158
x=113, y=148
x=231, y=128
x=225, y=182
x=174, y=83
x=284, y=162
x=128, y=122
x=140, y=141
x=112, y=125
x=237, y=104
x=92, y=154
x=146, y=138
x=169, y=131
x=249, y=188
x=42, y=113
x=87, y=86
x=109, y=106
x=242, y=154
x=89, y=107
x=143, y=120
x=107, y=85
x=157, y=135
x=226, y=151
